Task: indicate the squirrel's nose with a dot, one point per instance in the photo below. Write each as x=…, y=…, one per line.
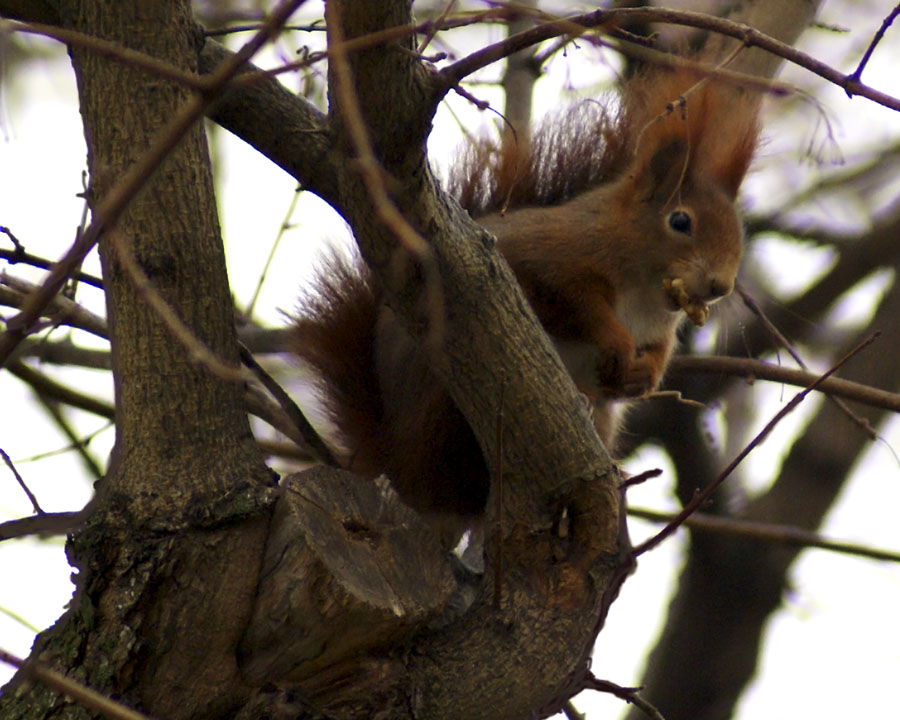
x=719, y=288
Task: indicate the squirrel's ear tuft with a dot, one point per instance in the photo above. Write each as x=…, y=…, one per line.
x=658, y=177
x=729, y=138
x=714, y=121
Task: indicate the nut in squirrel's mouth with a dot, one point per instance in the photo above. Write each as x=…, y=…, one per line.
x=694, y=308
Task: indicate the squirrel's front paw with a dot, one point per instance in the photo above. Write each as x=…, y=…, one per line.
x=626, y=376
x=611, y=368
x=641, y=377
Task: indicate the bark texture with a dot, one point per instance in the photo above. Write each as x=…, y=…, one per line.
x=169, y=559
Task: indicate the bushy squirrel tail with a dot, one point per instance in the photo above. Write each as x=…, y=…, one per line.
x=596, y=142
x=405, y=426
x=334, y=335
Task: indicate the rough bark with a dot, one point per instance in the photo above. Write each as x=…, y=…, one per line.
x=168, y=560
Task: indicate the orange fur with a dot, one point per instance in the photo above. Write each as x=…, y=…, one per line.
x=620, y=220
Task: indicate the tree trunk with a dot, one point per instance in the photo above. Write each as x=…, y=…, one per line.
x=168, y=560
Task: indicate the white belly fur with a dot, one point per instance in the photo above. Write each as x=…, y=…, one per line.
x=646, y=317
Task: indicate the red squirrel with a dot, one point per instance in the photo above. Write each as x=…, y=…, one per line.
x=620, y=223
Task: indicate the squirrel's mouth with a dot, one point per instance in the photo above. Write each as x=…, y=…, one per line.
x=679, y=299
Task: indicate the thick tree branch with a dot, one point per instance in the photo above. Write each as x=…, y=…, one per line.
x=282, y=126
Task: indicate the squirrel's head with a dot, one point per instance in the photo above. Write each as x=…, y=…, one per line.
x=685, y=234
x=692, y=141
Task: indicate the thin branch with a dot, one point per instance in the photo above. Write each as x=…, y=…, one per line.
x=701, y=497
x=64, y=352
x=769, y=326
x=18, y=255
x=255, y=405
x=50, y=388
x=77, y=444
x=134, y=178
x=856, y=74
x=61, y=523
x=31, y=498
x=572, y=713
x=438, y=24
x=19, y=619
x=253, y=27
x=628, y=694
x=285, y=226
x=284, y=450
x=759, y=370
x=369, y=166
x=313, y=443
x=82, y=694
x=878, y=165
x=767, y=532
x=260, y=404
x=60, y=309
x=109, y=49
x=363, y=42
x=577, y=25
x=639, y=479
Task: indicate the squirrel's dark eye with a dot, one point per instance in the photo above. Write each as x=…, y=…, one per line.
x=680, y=222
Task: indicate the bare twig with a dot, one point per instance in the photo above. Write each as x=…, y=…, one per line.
x=572, y=713
x=32, y=499
x=369, y=166
x=83, y=441
x=639, y=479
x=64, y=352
x=285, y=226
x=759, y=370
x=769, y=326
x=767, y=532
x=856, y=74
x=254, y=27
x=61, y=310
x=577, y=25
x=677, y=397
x=285, y=450
x=79, y=445
x=701, y=497
x=64, y=685
x=16, y=256
x=432, y=31
x=61, y=523
x=19, y=248
x=628, y=694
x=50, y=388
x=113, y=50
x=312, y=442
x=363, y=42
